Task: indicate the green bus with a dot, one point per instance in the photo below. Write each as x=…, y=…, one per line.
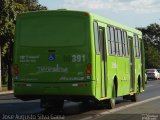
x=74, y=55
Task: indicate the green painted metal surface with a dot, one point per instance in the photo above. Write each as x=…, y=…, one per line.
x=53, y=49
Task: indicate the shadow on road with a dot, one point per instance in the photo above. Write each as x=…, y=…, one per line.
x=72, y=108
x=11, y=105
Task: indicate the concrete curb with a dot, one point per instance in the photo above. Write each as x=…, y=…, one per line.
x=6, y=92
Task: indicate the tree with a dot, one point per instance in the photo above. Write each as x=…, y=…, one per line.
x=151, y=36
x=7, y=18
x=28, y=5
x=9, y=9
x=7, y=28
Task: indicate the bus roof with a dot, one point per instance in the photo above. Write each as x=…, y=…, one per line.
x=92, y=15
x=116, y=24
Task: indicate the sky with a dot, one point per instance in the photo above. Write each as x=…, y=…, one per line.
x=133, y=13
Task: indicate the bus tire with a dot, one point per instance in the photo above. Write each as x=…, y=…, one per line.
x=112, y=101
x=133, y=97
x=126, y=97
x=52, y=105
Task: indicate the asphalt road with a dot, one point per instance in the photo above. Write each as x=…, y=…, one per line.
x=12, y=108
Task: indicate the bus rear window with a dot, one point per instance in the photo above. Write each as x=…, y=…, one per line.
x=52, y=31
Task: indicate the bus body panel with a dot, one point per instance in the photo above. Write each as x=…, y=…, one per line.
x=118, y=66
x=39, y=89
x=55, y=52
x=53, y=47
x=41, y=52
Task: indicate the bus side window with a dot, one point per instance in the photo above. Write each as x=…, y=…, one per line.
x=111, y=40
x=138, y=48
x=126, y=43
x=117, y=44
x=123, y=44
x=96, y=37
x=137, y=45
x=120, y=42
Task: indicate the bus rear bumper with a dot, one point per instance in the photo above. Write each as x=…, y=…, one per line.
x=69, y=91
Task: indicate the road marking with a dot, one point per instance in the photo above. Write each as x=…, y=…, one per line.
x=150, y=85
x=130, y=105
x=87, y=118
x=121, y=108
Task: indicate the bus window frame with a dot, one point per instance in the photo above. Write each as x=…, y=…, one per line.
x=111, y=40
x=137, y=46
x=96, y=37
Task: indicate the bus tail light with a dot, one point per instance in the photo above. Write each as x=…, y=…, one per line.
x=88, y=71
x=89, y=66
x=15, y=70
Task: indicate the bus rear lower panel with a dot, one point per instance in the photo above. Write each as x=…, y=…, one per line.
x=67, y=91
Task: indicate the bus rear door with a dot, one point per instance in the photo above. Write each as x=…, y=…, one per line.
x=101, y=61
x=132, y=64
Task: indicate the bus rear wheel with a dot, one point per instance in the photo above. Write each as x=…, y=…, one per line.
x=52, y=105
x=133, y=97
x=112, y=101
